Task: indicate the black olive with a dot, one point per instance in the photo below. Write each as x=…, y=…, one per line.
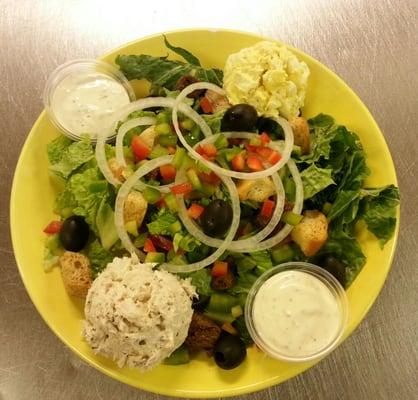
x=74, y=233
x=217, y=218
x=199, y=304
x=229, y=351
x=271, y=127
x=334, y=267
x=241, y=117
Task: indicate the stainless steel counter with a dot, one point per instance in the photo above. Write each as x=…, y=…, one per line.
x=372, y=45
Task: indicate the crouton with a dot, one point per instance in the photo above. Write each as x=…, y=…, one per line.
x=76, y=273
x=255, y=189
x=218, y=101
x=301, y=134
x=148, y=136
x=311, y=233
x=135, y=208
x=117, y=170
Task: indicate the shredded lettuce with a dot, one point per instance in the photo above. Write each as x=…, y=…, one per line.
x=161, y=222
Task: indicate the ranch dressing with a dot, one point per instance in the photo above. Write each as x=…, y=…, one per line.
x=296, y=314
x=84, y=102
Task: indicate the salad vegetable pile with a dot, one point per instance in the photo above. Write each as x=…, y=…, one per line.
x=215, y=192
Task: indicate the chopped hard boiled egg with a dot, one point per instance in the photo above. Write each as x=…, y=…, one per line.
x=269, y=77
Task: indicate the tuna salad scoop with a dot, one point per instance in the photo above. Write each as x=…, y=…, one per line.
x=136, y=315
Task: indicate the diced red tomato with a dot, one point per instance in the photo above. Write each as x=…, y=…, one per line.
x=265, y=138
x=238, y=162
x=264, y=152
x=53, y=227
x=161, y=242
x=268, y=154
x=267, y=208
x=139, y=148
x=254, y=163
x=206, y=105
x=149, y=246
x=210, y=149
x=195, y=211
x=182, y=188
x=274, y=157
x=211, y=178
x=220, y=268
x=251, y=148
x=168, y=172
x=202, y=151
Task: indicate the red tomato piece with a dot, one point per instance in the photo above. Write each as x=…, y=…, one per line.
x=211, y=178
x=265, y=138
x=274, y=157
x=195, y=211
x=149, y=246
x=139, y=148
x=254, y=163
x=210, y=149
x=53, y=227
x=251, y=148
x=182, y=188
x=206, y=105
x=238, y=162
x=168, y=172
x=220, y=268
x=264, y=152
x=267, y=208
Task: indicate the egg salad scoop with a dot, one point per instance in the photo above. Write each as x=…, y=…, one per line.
x=136, y=315
x=269, y=77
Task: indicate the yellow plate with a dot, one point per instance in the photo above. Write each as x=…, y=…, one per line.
x=31, y=209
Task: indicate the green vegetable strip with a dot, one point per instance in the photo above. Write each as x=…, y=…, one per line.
x=178, y=356
x=220, y=302
x=291, y=218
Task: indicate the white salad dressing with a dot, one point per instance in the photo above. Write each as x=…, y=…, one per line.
x=296, y=314
x=84, y=102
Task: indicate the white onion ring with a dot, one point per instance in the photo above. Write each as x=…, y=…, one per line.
x=297, y=209
x=138, y=105
x=123, y=192
x=224, y=243
x=218, y=169
x=123, y=129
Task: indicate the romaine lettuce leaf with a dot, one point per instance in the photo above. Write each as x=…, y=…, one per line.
x=315, y=179
x=379, y=212
x=189, y=57
x=201, y=280
x=56, y=148
x=73, y=156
